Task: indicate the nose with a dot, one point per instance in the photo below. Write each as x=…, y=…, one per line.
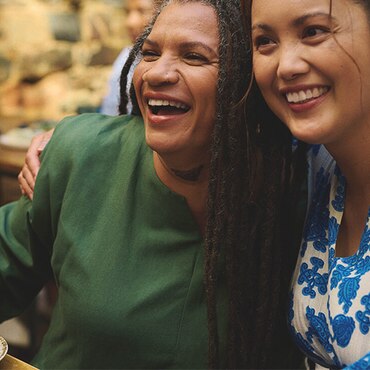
x=163, y=71
x=292, y=62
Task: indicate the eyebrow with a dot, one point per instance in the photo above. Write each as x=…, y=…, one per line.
x=184, y=45
x=297, y=22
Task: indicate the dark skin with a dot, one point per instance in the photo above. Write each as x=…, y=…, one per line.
x=190, y=175
x=173, y=150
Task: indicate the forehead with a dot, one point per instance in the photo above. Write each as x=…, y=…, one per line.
x=266, y=9
x=192, y=19
x=347, y=16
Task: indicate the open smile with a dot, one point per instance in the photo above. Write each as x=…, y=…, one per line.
x=167, y=107
x=304, y=96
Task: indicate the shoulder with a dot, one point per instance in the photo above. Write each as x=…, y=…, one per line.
x=91, y=135
x=321, y=167
x=319, y=159
x=94, y=122
x=91, y=129
x=86, y=148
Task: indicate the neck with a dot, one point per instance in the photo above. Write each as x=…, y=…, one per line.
x=191, y=182
x=353, y=159
x=188, y=175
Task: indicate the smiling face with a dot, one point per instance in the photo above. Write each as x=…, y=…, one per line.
x=313, y=66
x=176, y=81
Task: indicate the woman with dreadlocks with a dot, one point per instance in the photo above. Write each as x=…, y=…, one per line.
x=247, y=262
x=123, y=206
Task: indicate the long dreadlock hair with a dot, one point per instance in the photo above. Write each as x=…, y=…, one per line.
x=248, y=174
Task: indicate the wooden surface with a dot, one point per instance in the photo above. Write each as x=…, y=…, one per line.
x=11, y=160
x=12, y=363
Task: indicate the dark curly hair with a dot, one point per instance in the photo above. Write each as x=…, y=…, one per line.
x=248, y=206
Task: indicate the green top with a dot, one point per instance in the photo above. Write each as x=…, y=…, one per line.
x=125, y=252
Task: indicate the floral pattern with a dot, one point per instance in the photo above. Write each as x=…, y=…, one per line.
x=363, y=317
x=313, y=278
x=329, y=312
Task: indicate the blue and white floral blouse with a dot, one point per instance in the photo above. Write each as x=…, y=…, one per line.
x=329, y=311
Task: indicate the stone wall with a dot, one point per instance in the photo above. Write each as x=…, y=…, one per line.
x=56, y=56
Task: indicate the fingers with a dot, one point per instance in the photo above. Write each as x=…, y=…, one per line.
x=38, y=144
x=26, y=181
x=27, y=176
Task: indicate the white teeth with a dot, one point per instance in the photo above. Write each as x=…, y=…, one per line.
x=165, y=103
x=316, y=92
x=295, y=97
x=301, y=96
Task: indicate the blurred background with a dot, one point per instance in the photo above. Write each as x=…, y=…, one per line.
x=56, y=58
x=56, y=55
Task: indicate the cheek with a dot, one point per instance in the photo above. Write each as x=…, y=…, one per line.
x=137, y=76
x=209, y=105
x=261, y=74
x=265, y=70
x=212, y=90
x=203, y=88
x=265, y=81
x=137, y=81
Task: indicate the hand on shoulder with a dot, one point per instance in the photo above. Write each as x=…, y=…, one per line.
x=28, y=173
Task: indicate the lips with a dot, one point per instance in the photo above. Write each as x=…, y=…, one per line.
x=305, y=95
x=167, y=107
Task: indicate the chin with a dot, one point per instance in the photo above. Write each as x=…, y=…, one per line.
x=160, y=147
x=308, y=135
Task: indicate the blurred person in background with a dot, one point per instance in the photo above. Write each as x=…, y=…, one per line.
x=139, y=13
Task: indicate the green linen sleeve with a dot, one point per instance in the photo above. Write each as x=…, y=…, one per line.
x=29, y=230
x=24, y=266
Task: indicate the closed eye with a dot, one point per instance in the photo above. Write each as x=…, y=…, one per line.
x=195, y=58
x=149, y=55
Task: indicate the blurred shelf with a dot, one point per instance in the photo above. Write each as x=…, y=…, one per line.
x=11, y=160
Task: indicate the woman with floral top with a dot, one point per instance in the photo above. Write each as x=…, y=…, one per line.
x=311, y=62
